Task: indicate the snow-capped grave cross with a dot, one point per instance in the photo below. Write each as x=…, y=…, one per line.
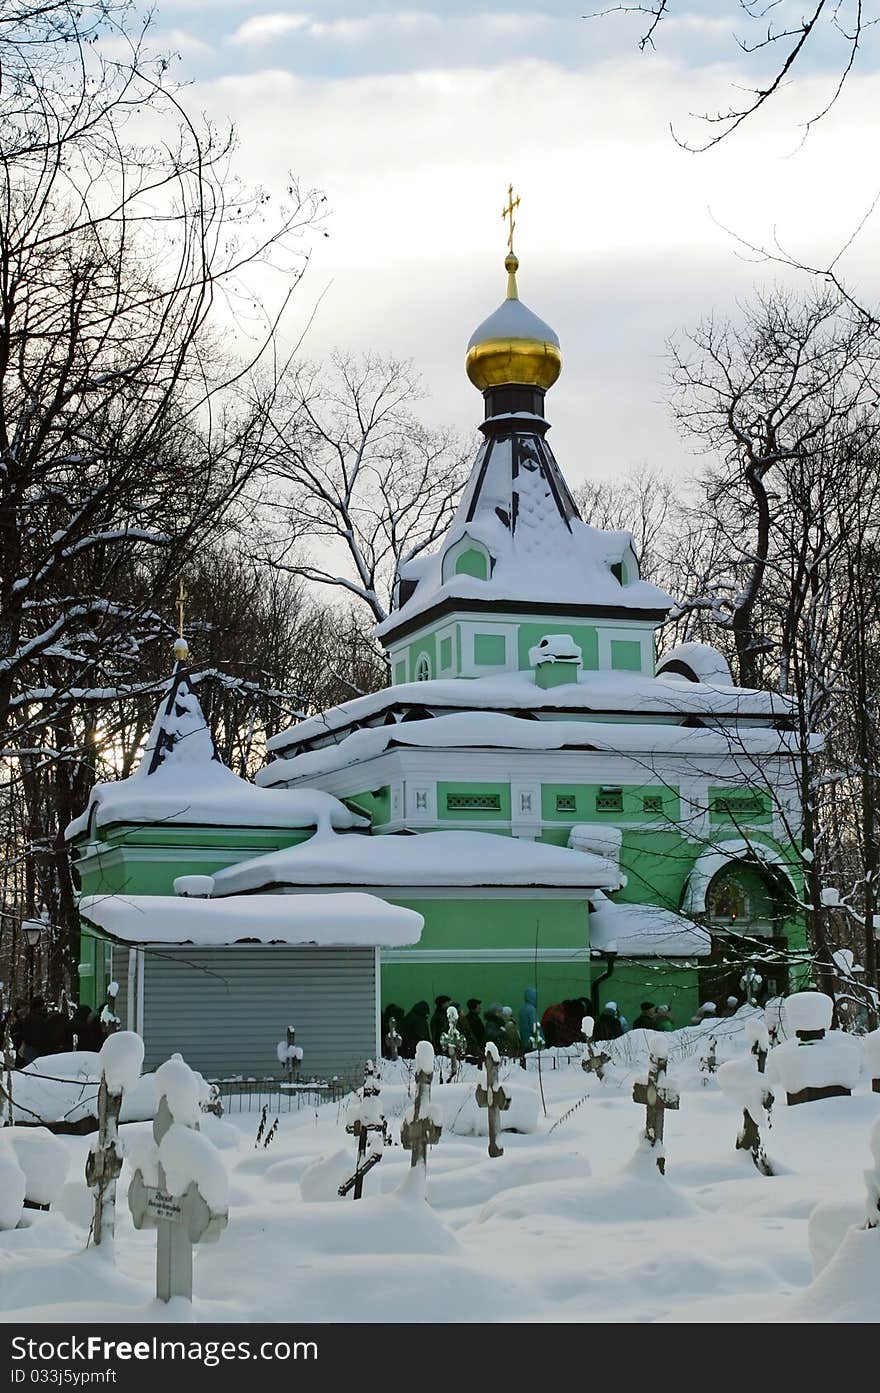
x=656, y=1097
x=393, y=1039
x=452, y=1042
x=290, y=1056
x=366, y=1117
x=175, y=1207
x=709, y=1061
x=593, y=1061
x=492, y=1096
x=421, y=1130
x=121, y=1057
x=820, y=1062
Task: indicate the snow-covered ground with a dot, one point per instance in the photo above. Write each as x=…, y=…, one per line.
x=572, y=1223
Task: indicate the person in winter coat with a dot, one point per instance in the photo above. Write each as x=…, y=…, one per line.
x=511, y=1043
x=36, y=1032
x=663, y=1019
x=608, y=1026
x=472, y=1028
x=494, y=1023
x=415, y=1027
x=553, y=1024
x=439, y=1020
x=84, y=1031
x=646, y=1017
x=528, y=1016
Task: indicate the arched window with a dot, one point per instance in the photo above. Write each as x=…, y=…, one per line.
x=423, y=668
x=467, y=557
x=727, y=900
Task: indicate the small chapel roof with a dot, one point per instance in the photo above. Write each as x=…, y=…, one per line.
x=431, y=858
x=344, y=920
x=181, y=779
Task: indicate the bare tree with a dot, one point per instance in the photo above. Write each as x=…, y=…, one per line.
x=362, y=482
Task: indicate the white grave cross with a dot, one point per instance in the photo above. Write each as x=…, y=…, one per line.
x=180, y=1220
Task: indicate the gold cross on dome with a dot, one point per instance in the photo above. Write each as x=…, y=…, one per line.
x=180, y=606
x=512, y=203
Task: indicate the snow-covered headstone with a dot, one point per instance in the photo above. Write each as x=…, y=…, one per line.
x=745, y=1082
x=818, y=1062
x=290, y=1055
x=121, y=1057
x=453, y=1042
x=871, y=1044
x=491, y=1095
x=593, y=1061
x=180, y=1187
x=656, y=1096
x=367, y=1123
x=421, y=1126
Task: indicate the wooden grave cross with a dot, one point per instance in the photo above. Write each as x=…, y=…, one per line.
x=593, y=1061
x=492, y=1097
x=656, y=1097
x=422, y=1131
x=104, y=1164
x=361, y=1127
x=180, y=1220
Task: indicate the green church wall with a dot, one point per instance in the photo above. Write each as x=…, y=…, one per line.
x=635, y=980
x=484, y=925
x=490, y=650
x=427, y=644
x=588, y=798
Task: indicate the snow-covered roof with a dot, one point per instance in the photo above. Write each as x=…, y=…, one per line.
x=518, y=505
x=645, y=931
x=181, y=780
x=588, y=692
x=429, y=858
x=489, y=730
x=344, y=920
x=696, y=662
x=716, y=857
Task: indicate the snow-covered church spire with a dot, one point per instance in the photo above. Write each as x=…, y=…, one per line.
x=180, y=733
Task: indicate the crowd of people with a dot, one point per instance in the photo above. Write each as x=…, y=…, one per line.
x=36, y=1029
x=559, y=1025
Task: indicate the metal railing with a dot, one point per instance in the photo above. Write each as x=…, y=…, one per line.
x=239, y=1095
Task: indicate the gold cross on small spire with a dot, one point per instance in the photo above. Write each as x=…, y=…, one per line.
x=507, y=212
x=180, y=606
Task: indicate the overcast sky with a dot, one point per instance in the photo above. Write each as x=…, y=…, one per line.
x=413, y=121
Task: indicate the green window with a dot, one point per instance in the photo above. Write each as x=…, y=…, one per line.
x=490, y=650
x=618, y=572
x=652, y=803
x=626, y=655
x=609, y=800
x=566, y=803
x=446, y=653
x=739, y=804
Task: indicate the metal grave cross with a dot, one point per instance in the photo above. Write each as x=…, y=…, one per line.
x=417, y=1134
x=180, y=1220
x=492, y=1097
x=104, y=1164
x=368, y=1119
x=656, y=1098
x=393, y=1039
x=593, y=1061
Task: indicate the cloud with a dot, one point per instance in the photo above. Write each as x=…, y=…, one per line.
x=263, y=29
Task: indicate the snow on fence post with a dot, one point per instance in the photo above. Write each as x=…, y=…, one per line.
x=656, y=1096
x=187, y=1201
x=592, y=1061
x=366, y=1116
x=121, y=1057
x=420, y=1127
x=492, y=1096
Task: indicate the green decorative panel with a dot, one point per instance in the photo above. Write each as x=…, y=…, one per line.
x=584, y=635
x=445, y=653
x=473, y=802
x=472, y=563
x=740, y=806
x=626, y=655
x=490, y=650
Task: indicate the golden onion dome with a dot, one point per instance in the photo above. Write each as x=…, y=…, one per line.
x=513, y=346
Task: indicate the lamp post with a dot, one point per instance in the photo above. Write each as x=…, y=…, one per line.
x=33, y=932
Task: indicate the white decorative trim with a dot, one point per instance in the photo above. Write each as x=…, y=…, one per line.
x=421, y=802
x=447, y=632
x=484, y=955
x=469, y=631
x=627, y=634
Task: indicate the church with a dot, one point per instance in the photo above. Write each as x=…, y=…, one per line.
x=535, y=800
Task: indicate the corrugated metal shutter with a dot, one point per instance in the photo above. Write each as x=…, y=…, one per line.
x=226, y=1009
